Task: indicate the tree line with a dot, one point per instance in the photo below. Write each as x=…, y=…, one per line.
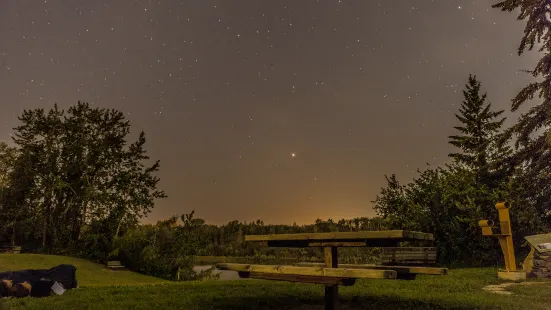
x=170, y=248
x=73, y=184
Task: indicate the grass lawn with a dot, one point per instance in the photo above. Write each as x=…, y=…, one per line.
x=101, y=289
x=88, y=273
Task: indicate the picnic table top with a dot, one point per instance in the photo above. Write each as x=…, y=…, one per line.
x=401, y=235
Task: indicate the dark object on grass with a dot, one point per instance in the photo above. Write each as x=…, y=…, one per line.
x=21, y=289
x=42, y=288
x=37, y=282
x=5, y=288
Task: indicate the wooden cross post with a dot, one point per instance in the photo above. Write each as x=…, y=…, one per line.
x=331, y=291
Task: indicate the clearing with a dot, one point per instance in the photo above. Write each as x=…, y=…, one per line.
x=105, y=289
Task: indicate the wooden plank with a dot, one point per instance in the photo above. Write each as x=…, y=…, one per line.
x=13, y=249
x=406, y=257
x=310, y=271
x=115, y=265
x=398, y=269
x=410, y=257
x=409, y=253
x=409, y=249
x=405, y=253
x=338, y=244
x=306, y=243
x=343, y=236
x=299, y=278
x=330, y=258
x=407, y=261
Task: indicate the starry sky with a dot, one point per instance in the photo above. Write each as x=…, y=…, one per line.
x=284, y=111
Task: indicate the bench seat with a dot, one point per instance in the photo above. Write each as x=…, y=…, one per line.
x=318, y=275
x=298, y=278
x=13, y=249
x=403, y=272
x=408, y=256
x=115, y=264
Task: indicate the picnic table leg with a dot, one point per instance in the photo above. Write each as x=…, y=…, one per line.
x=331, y=291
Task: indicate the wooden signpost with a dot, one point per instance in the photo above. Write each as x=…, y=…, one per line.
x=505, y=241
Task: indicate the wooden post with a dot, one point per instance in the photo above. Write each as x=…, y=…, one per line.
x=331, y=291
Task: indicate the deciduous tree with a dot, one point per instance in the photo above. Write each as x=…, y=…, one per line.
x=81, y=171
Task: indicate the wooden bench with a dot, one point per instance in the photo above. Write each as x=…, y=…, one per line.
x=115, y=265
x=12, y=249
x=425, y=256
x=403, y=272
x=314, y=275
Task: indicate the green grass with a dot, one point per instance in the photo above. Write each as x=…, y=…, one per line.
x=461, y=289
x=88, y=273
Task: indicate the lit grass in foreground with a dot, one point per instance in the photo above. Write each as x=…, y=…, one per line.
x=461, y=289
x=88, y=273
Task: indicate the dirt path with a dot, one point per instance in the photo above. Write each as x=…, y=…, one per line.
x=501, y=288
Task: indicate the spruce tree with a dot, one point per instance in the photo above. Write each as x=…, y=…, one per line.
x=479, y=129
x=536, y=32
x=533, y=156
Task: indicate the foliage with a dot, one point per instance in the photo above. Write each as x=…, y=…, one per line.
x=533, y=127
x=164, y=250
x=169, y=248
x=76, y=173
x=449, y=201
x=8, y=156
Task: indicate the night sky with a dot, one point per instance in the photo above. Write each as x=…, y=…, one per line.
x=280, y=110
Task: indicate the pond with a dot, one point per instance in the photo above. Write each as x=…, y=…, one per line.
x=225, y=275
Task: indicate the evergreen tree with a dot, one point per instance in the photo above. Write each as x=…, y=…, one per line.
x=479, y=127
x=533, y=156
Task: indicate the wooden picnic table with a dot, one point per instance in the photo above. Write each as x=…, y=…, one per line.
x=329, y=273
